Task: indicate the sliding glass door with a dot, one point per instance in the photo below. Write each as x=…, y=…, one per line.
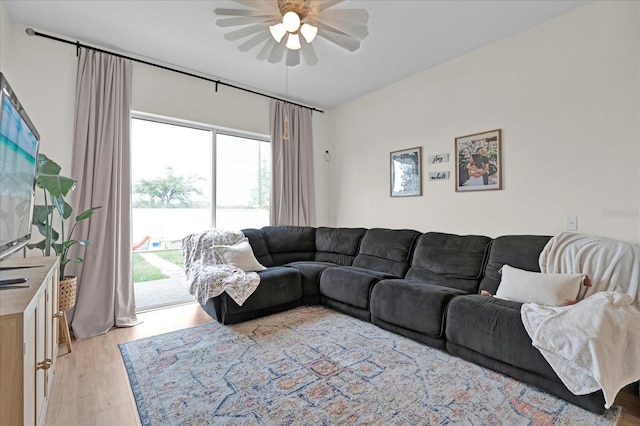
x=187, y=178
x=243, y=182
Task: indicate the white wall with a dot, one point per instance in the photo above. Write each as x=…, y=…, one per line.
x=566, y=96
x=4, y=35
x=565, y=93
x=43, y=74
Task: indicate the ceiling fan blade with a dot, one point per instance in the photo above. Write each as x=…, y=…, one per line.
x=240, y=12
x=320, y=5
x=346, y=42
x=308, y=52
x=293, y=57
x=345, y=28
x=266, y=49
x=258, y=4
x=254, y=41
x=356, y=16
x=245, y=32
x=241, y=20
x=276, y=53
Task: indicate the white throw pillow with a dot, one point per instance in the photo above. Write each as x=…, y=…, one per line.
x=239, y=255
x=534, y=287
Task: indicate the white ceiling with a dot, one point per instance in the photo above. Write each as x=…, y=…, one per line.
x=405, y=37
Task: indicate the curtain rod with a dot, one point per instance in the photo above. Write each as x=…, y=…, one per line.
x=32, y=32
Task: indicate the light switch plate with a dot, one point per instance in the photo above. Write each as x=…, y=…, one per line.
x=571, y=223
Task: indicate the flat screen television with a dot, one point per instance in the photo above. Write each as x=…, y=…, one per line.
x=19, y=142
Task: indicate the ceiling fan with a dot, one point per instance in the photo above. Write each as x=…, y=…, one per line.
x=287, y=27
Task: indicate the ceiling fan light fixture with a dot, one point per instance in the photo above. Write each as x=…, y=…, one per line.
x=278, y=31
x=291, y=21
x=309, y=32
x=293, y=41
x=292, y=27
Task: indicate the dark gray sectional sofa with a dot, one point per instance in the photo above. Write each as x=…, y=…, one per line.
x=422, y=286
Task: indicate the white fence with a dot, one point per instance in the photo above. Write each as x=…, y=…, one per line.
x=174, y=224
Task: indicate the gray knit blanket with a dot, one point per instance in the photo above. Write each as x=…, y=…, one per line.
x=207, y=275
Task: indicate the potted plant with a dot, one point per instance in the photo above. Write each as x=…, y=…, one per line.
x=55, y=188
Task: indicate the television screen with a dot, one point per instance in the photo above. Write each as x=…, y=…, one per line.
x=18, y=156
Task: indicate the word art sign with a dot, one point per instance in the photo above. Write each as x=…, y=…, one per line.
x=435, y=176
x=439, y=158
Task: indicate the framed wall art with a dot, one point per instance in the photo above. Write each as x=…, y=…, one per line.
x=406, y=172
x=479, y=161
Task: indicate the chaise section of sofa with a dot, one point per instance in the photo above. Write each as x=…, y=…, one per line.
x=280, y=287
x=489, y=331
x=443, y=266
x=383, y=254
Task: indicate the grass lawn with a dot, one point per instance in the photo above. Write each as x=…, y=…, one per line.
x=173, y=256
x=144, y=271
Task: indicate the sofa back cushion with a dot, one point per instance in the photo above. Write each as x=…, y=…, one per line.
x=519, y=251
x=386, y=250
x=290, y=243
x=338, y=245
x=259, y=246
x=450, y=260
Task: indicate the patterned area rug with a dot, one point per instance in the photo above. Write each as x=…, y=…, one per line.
x=312, y=365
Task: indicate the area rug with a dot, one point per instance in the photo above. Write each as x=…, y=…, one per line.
x=315, y=366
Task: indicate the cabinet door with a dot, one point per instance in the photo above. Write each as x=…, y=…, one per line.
x=29, y=384
x=51, y=328
x=42, y=362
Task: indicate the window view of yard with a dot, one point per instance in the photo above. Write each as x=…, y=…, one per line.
x=145, y=271
x=186, y=180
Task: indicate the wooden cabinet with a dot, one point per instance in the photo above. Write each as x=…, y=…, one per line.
x=28, y=340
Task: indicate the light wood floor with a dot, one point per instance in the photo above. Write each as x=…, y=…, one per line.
x=91, y=387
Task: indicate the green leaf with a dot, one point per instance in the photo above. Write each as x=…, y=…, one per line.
x=42, y=227
x=69, y=243
x=58, y=248
x=39, y=245
x=56, y=185
x=73, y=259
x=40, y=213
x=62, y=206
x=87, y=213
x=47, y=165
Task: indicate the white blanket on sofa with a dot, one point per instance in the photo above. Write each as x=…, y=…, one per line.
x=594, y=344
x=207, y=275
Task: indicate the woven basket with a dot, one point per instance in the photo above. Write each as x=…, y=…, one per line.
x=67, y=293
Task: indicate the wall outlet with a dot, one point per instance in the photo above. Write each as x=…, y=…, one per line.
x=571, y=223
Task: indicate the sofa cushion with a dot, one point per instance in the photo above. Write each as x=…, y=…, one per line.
x=412, y=305
x=350, y=285
x=338, y=245
x=310, y=279
x=239, y=255
x=449, y=260
x=278, y=286
x=259, y=246
x=519, y=251
x=492, y=327
x=386, y=250
x=523, y=286
x=290, y=243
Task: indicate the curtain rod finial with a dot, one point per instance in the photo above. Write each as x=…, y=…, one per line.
x=30, y=32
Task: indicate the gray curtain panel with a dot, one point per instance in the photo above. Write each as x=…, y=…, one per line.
x=293, y=190
x=101, y=165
